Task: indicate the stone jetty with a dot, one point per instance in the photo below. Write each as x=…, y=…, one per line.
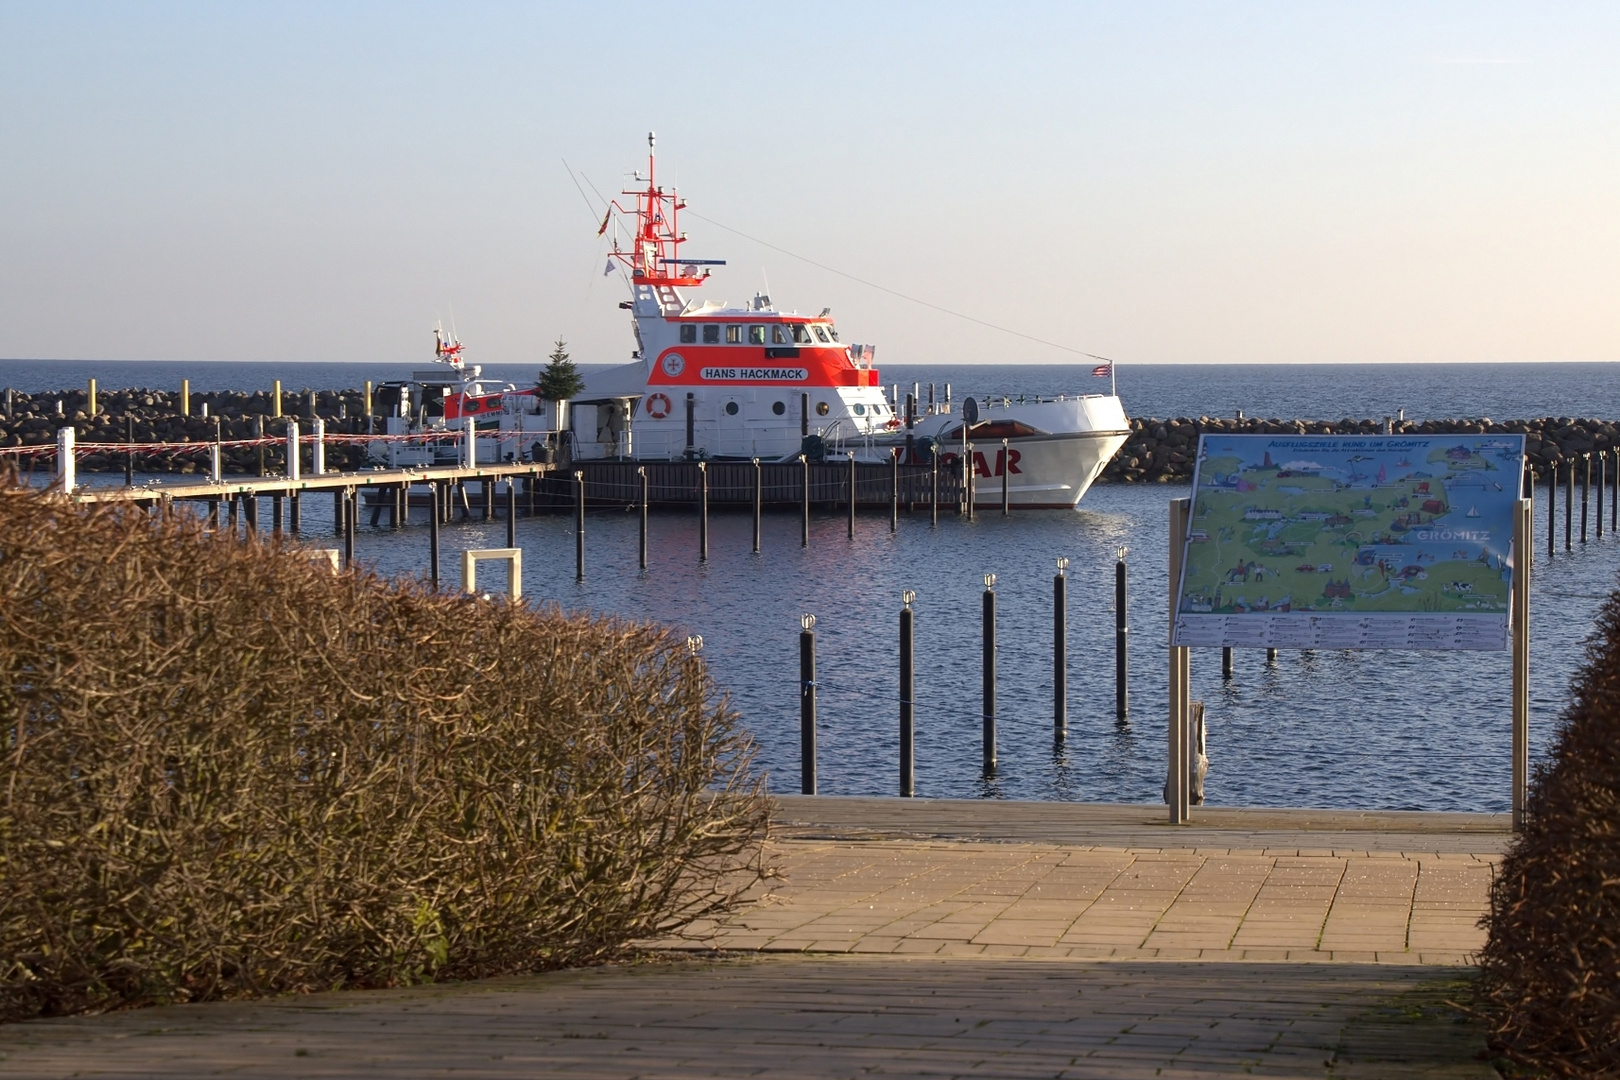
x=1158, y=451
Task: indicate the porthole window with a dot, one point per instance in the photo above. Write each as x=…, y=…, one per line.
x=860, y=410
x=779, y=408
x=821, y=408
x=731, y=408
x=688, y=334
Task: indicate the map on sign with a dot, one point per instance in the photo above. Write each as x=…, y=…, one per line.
x=1350, y=542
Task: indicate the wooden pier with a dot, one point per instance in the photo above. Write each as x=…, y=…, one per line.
x=258, y=486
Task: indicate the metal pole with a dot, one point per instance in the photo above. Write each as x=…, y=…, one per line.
x=1006, y=472
x=1586, y=493
x=804, y=496
x=1122, y=692
x=1176, y=788
x=1060, y=652
x=511, y=512
x=1614, y=494
x=989, y=673
x=908, y=696
x=641, y=471
x=258, y=434
x=1226, y=662
x=129, y=454
x=703, y=511
x=1569, y=508
x=759, y=501
x=295, y=512
x=852, y=496
x=807, y=705
x=1552, y=511
x=350, y=512
x=1602, y=482
x=579, y=526
x=433, y=532
x=894, y=491
x=1522, y=524
x=933, y=503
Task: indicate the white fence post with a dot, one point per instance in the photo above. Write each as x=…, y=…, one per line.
x=318, y=448
x=65, y=473
x=294, y=464
x=216, y=464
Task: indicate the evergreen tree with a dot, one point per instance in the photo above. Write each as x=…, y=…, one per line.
x=560, y=379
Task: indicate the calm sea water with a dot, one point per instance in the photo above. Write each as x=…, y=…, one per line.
x=1292, y=391
x=1340, y=729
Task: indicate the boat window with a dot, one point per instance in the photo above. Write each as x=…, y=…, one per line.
x=756, y=335
x=778, y=335
x=711, y=333
x=731, y=408
x=821, y=408
x=821, y=332
x=860, y=410
x=733, y=335
x=832, y=331
x=688, y=334
x=779, y=408
x=801, y=334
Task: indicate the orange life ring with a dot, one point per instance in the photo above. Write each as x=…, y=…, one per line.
x=657, y=406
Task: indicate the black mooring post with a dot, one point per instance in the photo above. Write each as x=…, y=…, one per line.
x=1602, y=481
x=258, y=433
x=908, y=696
x=804, y=501
x=337, y=512
x=759, y=501
x=894, y=491
x=1122, y=693
x=294, y=512
x=433, y=533
x=579, y=526
x=1226, y=662
x=250, y=514
x=1586, y=493
x=641, y=472
x=933, y=503
x=852, y=496
x=703, y=511
x=1552, y=511
x=350, y=511
x=1006, y=473
x=1060, y=652
x=807, y=705
x=129, y=454
x=989, y=669
x=511, y=512
x=1569, y=508
x=1614, y=494
x=275, y=513
x=1271, y=656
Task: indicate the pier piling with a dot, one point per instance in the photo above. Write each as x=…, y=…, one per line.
x=933, y=501
x=1569, y=509
x=1122, y=692
x=1552, y=511
x=1006, y=504
x=1602, y=480
x=276, y=511
x=511, y=511
x=250, y=515
x=989, y=675
x=579, y=526
x=759, y=501
x=908, y=695
x=1614, y=493
x=807, y=705
x=894, y=491
x=275, y=399
x=641, y=474
x=852, y=486
x=350, y=501
x=433, y=532
x=258, y=434
x=294, y=513
x=90, y=399
x=703, y=511
x=129, y=454
x=1586, y=492
x=804, y=501
x=1060, y=652
x=1226, y=662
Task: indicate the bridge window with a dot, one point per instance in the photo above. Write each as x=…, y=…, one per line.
x=778, y=335
x=733, y=335
x=688, y=334
x=711, y=334
x=821, y=332
x=801, y=335
x=756, y=335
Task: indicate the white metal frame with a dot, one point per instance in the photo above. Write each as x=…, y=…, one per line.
x=513, y=557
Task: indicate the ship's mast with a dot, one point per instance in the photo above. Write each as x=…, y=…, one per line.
x=654, y=259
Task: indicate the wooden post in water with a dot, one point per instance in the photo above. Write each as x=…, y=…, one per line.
x=486, y=491
x=703, y=511
x=1523, y=523
x=1602, y=480
x=579, y=525
x=1586, y=492
x=1060, y=652
x=294, y=513
x=1178, y=795
x=276, y=513
x=1569, y=508
x=1122, y=669
x=250, y=514
x=759, y=500
x=988, y=682
x=511, y=511
x=1226, y=662
x=807, y=705
x=351, y=510
x=804, y=494
x=908, y=696
x=894, y=491
x=337, y=511
x=641, y=473
x=852, y=495
x=1552, y=510
x=433, y=531
x=1006, y=473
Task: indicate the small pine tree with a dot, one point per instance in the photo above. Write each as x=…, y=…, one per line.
x=560, y=379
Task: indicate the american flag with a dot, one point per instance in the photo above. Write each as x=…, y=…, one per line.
x=1102, y=371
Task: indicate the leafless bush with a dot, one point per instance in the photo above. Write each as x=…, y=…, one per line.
x=228, y=771
x=1550, y=972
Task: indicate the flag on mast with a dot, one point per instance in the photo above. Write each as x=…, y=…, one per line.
x=1103, y=371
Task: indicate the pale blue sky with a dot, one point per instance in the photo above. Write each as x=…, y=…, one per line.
x=1157, y=182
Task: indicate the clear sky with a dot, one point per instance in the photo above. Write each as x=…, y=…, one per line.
x=1157, y=182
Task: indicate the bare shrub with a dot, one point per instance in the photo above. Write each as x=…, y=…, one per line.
x=1550, y=971
x=225, y=770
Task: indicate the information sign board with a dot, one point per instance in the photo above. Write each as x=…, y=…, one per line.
x=1350, y=542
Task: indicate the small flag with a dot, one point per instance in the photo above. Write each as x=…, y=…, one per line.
x=608, y=269
x=606, y=218
x=1102, y=371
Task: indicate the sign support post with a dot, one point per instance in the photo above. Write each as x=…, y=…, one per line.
x=1180, y=673
x=1522, y=527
